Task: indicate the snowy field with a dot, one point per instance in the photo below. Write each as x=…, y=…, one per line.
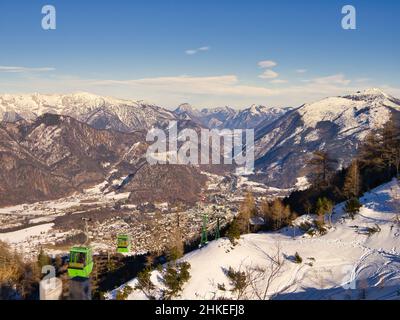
x=25, y=234
x=27, y=227
x=346, y=263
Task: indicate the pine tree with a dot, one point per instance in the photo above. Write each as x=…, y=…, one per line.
x=265, y=207
x=370, y=154
x=381, y=148
x=144, y=283
x=324, y=207
x=307, y=206
x=174, y=277
x=292, y=218
x=322, y=168
x=390, y=148
x=329, y=210
x=43, y=259
x=352, y=183
x=175, y=247
x=248, y=209
x=265, y=211
x=319, y=210
x=278, y=214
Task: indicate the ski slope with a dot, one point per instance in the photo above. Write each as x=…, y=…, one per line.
x=346, y=263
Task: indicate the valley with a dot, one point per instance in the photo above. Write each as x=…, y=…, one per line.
x=81, y=157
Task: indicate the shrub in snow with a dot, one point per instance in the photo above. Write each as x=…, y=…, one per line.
x=352, y=207
x=372, y=230
x=319, y=225
x=305, y=226
x=233, y=232
x=145, y=284
x=174, y=277
x=297, y=258
x=124, y=293
x=238, y=280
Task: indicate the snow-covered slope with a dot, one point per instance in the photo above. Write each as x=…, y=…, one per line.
x=335, y=124
x=354, y=114
x=346, y=263
x=100, y=112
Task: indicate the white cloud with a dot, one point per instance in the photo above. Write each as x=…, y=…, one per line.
x=217, y=85
x=190, y=52
x=194, y=51
x=362, y=80
x=336, y=79
x=268, y=74
x=301, y=70
x=13, y=69
x=208, y=91
x=278, y=81
x=203, y=49
x=267, y=64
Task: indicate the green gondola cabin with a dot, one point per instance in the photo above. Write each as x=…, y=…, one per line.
x=80, y=262
x=124, y=243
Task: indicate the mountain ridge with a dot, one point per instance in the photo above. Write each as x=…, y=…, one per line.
x=334, y=124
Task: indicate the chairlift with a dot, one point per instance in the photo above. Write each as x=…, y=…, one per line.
x=124, y=243
x=80, y=262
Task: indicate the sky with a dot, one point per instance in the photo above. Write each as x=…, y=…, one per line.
x=207, y=53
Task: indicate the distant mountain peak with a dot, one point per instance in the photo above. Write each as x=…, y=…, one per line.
x=184, y=107
x=98, y=111
x=375, y=91
x=371, y=93
x=254, y=108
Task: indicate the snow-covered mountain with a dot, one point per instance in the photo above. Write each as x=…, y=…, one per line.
x=128, y=115
x=229, y=118
x=348, y=263
x=97, y=111
x=255, y=116
x=54, y=156
x=285, y=138
x=335, y=124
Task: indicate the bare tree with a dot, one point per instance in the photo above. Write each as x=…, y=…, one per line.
x=256, y=282
x=261, y=278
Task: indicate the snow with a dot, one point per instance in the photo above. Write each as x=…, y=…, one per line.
x=302, y=183
x=84, y=106
x=97, y=188
x=312, y=136
x=244, y=182
x=343, y=264
x=117, y=196
x=25, y=234
x=355, y=113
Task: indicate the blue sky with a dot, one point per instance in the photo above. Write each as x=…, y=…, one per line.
x=206, y=52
